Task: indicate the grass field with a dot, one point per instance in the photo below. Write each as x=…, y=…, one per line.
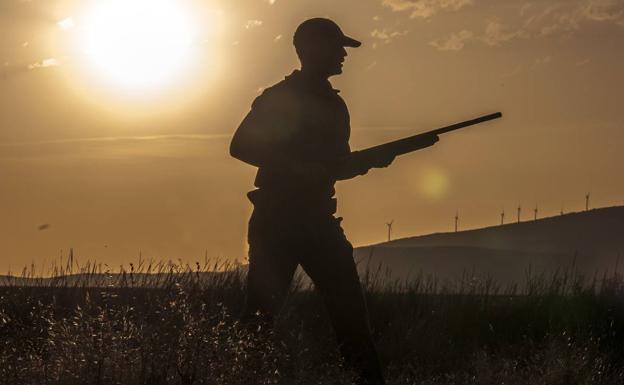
x=177, y=325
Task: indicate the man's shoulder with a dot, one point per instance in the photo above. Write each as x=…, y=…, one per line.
x=282, y=93
x=283, y=87
x=294, y=92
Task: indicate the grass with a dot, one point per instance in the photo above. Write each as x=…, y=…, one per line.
x=176, y=324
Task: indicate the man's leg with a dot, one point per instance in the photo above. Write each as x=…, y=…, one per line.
x=331, y=267
x=271, y=269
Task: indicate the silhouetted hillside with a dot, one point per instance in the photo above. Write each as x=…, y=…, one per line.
x=592, y=240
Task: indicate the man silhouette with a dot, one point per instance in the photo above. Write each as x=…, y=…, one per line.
x=297, y=134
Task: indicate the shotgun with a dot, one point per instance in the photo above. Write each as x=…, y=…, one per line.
x=416, y=142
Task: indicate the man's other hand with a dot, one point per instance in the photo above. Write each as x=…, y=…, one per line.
x=430, y=140
x=385, y=159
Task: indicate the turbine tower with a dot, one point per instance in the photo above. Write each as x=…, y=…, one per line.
x=535, y=213
x=587, y=202
x=519, y=211
x=502, y=215
x=456, y=219
x=389, y=224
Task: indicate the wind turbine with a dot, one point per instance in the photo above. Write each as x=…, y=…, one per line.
x=456, y=219
x=502, y=215
x=389, y=224
x=587, y=202
x=519, y=211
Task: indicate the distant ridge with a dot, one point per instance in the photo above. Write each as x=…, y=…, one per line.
x=593, y=240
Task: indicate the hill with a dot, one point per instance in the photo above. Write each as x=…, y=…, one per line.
x=591, y=241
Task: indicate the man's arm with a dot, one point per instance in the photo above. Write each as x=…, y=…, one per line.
x=241, y=148
x=262, y=137
x=265, y=136
x=249, y=143
x=355, y=164
x=255, y=142
x=359, y=162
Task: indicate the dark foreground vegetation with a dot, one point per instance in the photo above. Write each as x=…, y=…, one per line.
x=179, y=327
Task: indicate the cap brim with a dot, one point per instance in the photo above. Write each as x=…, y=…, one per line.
x=350, y=42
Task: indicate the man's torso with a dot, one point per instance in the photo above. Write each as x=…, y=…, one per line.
x=314, y=122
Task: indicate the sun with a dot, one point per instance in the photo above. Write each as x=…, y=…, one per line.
x=138, y=44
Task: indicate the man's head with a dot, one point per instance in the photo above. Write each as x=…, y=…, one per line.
x=320, y=46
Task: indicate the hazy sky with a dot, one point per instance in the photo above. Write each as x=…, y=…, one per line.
x=116, y=162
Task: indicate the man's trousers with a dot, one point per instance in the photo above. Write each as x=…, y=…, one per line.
x=279, y=241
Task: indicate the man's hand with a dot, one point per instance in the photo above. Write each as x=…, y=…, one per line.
x=381, y=160
x=430, y=140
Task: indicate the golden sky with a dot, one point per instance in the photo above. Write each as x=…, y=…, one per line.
x=117, y=161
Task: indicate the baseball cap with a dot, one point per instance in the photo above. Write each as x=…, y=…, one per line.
x=321, y=30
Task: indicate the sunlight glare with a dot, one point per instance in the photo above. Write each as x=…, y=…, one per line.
x=138, y=44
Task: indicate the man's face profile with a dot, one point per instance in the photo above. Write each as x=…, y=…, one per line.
x=338, y=55
x=324, y=58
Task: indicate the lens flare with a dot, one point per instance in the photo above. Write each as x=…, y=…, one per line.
x=433, y=183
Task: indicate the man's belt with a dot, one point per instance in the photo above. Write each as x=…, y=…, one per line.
x=281, y=201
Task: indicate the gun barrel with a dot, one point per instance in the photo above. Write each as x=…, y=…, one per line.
x=467, y=123
x=415, y=142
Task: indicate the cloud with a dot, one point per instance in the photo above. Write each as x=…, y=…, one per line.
x=425, y=8
x=66, y=24
x=10, y=70
x=604, y=10
x=455, y=42
x=49, y=62
x=541, y=61
x=569, y=17
x=496, y=33
x=564, y=22
x=386, y=35
x=539, y=20
x=524, y=8
x=253, y=24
